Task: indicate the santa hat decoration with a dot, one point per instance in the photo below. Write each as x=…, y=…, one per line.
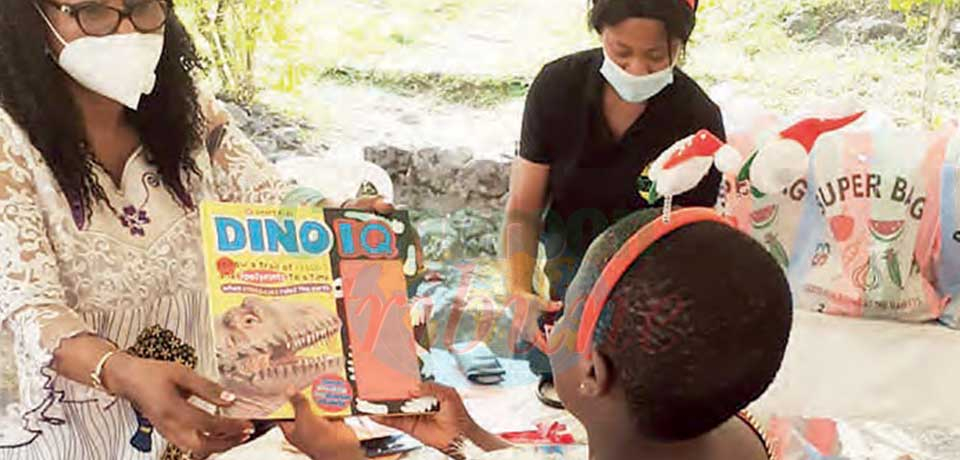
x=783, y=160
x=681, y=167
x=728, y=159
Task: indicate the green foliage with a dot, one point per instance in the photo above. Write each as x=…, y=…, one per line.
x=936, y=20
x=232, y=33
x=917, y=12
x=286, y=49
x=910, y=6
x=279, y=44
x=474, y=91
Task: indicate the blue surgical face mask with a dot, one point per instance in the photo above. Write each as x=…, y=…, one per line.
x=633, y=88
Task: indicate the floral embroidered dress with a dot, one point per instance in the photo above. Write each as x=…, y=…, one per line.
x=134, y=265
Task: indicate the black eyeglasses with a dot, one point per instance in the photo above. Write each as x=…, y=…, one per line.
x=98, y=20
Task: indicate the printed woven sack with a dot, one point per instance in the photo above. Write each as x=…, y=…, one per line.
x=866, y=243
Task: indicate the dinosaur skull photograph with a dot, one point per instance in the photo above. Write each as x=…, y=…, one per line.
x=258, y=342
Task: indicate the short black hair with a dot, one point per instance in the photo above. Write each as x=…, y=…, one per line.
x=697, y=327
x=676, y=15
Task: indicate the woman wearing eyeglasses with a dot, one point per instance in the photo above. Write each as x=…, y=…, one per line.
x=593, y=123
x=106, y=150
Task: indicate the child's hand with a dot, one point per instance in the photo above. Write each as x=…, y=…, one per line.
x=435, y=430
x=528, y=307
x=319, y=438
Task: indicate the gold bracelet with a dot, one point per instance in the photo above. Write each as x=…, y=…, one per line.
x=97, y=375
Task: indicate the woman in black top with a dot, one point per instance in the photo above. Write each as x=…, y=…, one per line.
x=593, y=123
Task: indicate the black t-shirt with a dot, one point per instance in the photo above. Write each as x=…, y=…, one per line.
x=593, y=177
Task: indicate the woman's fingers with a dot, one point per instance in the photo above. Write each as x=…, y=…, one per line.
x=187, y=416
x=212, y=445
x=165, y=401
x=383, y=207
x=203, y=434
x=204, y=389
x=231, y=428
x=371, y=203
x=182, y=437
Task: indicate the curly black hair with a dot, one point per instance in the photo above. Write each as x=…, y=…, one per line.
x=676, y=15
x=34, y=92
x=697, y=327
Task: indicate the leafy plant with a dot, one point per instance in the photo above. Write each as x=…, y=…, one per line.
x=907, y=6
x=476, y=91
x=936, y=14
x=233, y=31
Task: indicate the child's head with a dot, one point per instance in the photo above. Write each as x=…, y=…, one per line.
x=693, y=332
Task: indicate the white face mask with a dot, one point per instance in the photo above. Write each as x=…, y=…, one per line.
x=120, y=67
x=633, y=88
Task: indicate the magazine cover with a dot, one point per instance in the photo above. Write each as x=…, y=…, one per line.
x=315, y=300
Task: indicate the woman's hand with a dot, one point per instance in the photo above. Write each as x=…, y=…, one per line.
x=377, y=204
x=436, y=430
x=319, y=438
x=527, y=309
x=161, y=390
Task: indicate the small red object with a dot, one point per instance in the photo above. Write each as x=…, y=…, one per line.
x=553, y=434
x=703, y=144
x=226, y=266
x=806, y=132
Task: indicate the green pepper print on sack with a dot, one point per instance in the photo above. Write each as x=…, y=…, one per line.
x=777, y=250
x=893, y=267
x=744, y=175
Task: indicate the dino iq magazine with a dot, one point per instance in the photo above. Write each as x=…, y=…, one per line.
x=313, y=300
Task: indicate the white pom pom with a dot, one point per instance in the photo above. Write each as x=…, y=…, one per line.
x=777, y=165
x=728, y=159
x=682, y=178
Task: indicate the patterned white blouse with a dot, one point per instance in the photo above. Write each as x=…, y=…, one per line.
x=133, y=265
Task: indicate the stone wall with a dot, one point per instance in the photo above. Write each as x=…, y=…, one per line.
x=443, y=180
x=457, y=197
